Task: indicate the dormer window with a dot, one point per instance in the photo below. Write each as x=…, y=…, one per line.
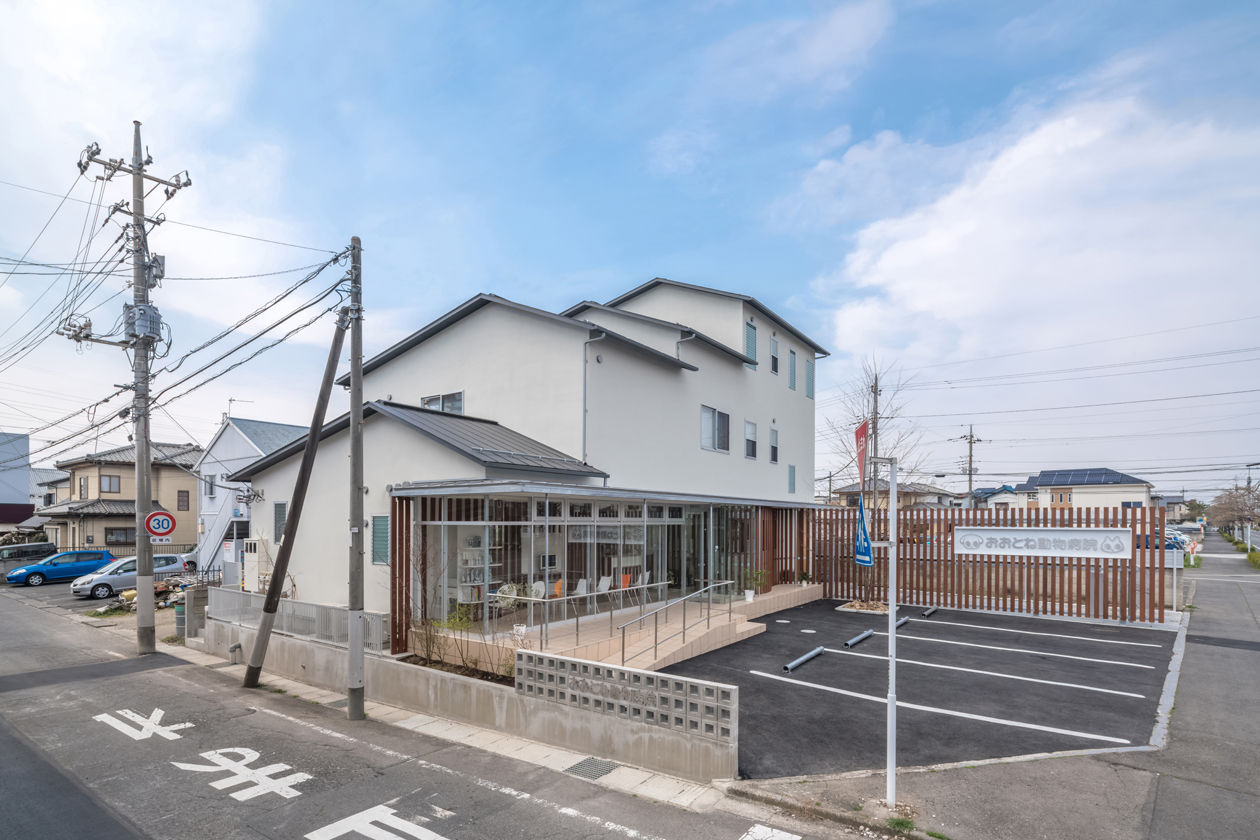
x=450, y=403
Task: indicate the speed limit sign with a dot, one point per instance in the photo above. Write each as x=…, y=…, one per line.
x=159, y=523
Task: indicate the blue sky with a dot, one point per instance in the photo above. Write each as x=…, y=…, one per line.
x=944, y=187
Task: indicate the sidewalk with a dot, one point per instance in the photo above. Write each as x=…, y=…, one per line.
x=1204, y=783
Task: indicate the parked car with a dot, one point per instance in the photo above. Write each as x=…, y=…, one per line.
x=121, y=574
x=28, y=552
x=65, y=565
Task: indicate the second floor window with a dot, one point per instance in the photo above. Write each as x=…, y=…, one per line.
x=83, y=487
x=207, y=484
x=110, y=484
x=715, y=429
x=774, y=355
x=750, y=439
x=181, y=499
x=774, y=446
x=450, y=403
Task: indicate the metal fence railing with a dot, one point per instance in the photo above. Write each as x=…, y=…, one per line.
x=299, y=618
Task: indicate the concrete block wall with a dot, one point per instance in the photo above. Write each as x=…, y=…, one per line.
x=484, y=704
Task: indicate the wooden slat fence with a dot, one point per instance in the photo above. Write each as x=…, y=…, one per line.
x=929, y=573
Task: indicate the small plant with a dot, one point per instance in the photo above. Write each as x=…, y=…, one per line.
x=173, y=639
x=1194, y=562
x=1253, y=557
x=804, y=577
x=938, y=835
x=754, y=578
x=901, y=825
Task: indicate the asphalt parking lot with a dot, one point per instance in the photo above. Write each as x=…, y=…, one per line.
x=53, y=594
x=970, y=686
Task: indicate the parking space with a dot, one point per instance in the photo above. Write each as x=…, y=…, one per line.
x=52, y=594
x=970, y=686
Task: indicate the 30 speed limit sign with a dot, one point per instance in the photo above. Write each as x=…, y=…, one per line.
x=159, y=524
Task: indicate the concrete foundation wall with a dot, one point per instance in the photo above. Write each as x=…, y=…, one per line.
x=484, y=704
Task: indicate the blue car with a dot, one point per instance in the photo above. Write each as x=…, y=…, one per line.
x=66, y=565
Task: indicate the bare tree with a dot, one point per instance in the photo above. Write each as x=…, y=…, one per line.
x=1235, y=506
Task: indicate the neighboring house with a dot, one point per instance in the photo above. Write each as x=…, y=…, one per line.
x=1176, y=506
x=15, y=469
x=1084, y=488
x=224, y=506
x=100, y=508
x=650, y=438
x=999, y=498
x=910, y=494
x=44, y=483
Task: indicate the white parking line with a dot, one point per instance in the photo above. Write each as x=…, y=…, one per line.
x=901, y=661
x=949, y=712
x=901, y=636
x=1039, y=633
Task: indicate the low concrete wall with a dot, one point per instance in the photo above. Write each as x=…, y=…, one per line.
x=485, y=704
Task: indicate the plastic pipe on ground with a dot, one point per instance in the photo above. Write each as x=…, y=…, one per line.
x=903, y=621
x=801, y=660
x=929, y=611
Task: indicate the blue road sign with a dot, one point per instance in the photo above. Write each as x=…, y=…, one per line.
x=862, y=545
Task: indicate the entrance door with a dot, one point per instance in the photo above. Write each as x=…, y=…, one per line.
x=695, y=553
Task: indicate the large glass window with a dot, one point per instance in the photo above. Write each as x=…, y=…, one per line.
x=715, y=429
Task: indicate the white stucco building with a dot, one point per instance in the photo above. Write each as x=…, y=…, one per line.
x=1083, y=488
x=659, y=438
x=224, y=506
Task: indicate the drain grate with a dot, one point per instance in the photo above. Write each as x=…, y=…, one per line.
x=592, y=768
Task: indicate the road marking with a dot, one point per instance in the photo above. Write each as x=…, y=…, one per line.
x=243, y=773
x=1039, y=633
x=1230, y=578
x=901, y=661
x=901, y=704
x=519, y=795
x=374, y=823
x=901, y=636
x=809, y=631
x=765, y=832
x=150, y=726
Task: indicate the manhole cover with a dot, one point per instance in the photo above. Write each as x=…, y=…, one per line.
x=592, y=768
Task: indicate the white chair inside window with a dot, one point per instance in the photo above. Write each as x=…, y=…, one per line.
x=581, y=588
x=538, y=590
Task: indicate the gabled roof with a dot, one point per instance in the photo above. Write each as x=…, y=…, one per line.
x=751, y=301
x=685, y=331
x=1086, y=477
x=93, y=507
x=42, y=475
x=484, y=441
x=179, y=454
x=902, y=487
x=477, y=302
x=266, y=436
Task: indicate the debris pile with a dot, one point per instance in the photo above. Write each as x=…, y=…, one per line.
x=166, y=593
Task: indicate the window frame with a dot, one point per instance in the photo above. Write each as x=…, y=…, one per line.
x=774, y=356
x=183, y=500
x=791, y=370
x=115, y=482
x=750, y=343
x=443, y=401
x=750, y=443
x=717, y=415
x=279, y=521
x=128, y=538
x=809, y=378
x=83, y=487
x=792, y=479
x=208, y=485
x=774, y=446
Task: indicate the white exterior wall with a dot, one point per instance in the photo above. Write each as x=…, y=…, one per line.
x=518, y=369
x=392, y=453
x=645, y=424
x=657, y=336
x=1013, y=501
x=1099, y=495
x=717, y=316
x=230, y=451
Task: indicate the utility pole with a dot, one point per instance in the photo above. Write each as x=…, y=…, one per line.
x=972, y=440
x=143, y=331
x=354, y=693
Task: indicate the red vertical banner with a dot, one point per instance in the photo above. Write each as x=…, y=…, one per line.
x=859, y=439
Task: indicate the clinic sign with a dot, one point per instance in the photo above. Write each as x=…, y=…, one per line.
x=1101, y=543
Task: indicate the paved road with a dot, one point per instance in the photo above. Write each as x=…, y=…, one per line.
x=98, y=743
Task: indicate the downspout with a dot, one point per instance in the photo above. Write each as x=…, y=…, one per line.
x=678, y=344
x=585, y=364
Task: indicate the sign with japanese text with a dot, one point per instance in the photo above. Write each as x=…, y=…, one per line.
x=1101, y=543
x=859, y=439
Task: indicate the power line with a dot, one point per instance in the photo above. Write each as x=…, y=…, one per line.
x=190, y=224
x=1082, y=405
x=55, y=211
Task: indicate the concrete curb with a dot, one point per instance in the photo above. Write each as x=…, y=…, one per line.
x=848, y=819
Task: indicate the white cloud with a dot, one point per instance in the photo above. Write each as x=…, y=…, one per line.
x=679, y=150
x=820, y=56
x=1100, y=218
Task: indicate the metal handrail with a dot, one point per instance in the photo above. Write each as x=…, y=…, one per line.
x=591, y=596
x=655, y=615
